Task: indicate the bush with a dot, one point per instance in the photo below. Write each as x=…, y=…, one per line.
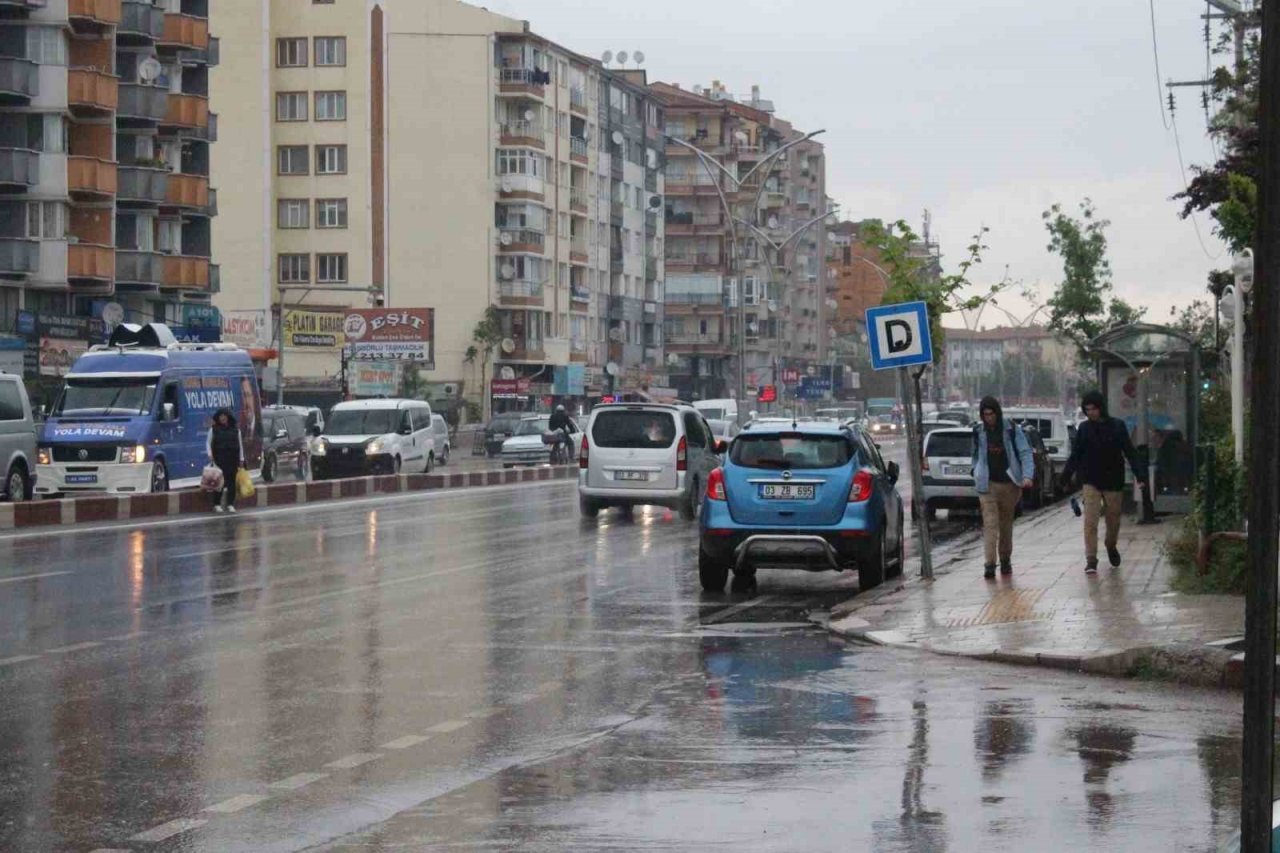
x=1225, y=508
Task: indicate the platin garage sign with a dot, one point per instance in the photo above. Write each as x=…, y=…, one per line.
x=391, y=334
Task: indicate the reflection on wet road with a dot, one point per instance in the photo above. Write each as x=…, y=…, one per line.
x=483, y=669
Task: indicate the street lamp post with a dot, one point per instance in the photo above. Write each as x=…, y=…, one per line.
x=307, y=289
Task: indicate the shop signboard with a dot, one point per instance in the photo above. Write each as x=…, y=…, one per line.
x=375, y=378
x=391, y=334
x=509, y=389
x=314, y=330
x=12, y=348
x=246, y=329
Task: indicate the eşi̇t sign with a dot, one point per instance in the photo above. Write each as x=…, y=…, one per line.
x=391, y=334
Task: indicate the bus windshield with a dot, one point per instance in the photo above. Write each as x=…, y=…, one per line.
x=86, y=397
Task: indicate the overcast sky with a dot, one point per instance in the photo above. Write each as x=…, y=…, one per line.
x=985, y=112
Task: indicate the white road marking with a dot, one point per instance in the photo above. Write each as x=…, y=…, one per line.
x=170, y=829
x=484, y=713
x=236, y=804
x=122, y=637
x=404, y=742
x=110, y=850
x=722, y=615
x=300, y=780
x=355, y=759
x=17, y=659
x=448, y=726
x=72, y=648
x=32, y=577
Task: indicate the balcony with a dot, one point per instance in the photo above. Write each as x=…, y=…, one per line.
x=521, y=81
x=520, y=292
x=140, y=22
x=578, y=101
x=528, y=133
x=578, y=201
x=616, y=211
x=772, y=200
x=525, y=352
x=91, y=92
x=578, y=150
x=19, y=169
x=651, y=181
x=185, y=32
x=19, y=79
x=521, y=240
x=578, y=251
x=651, y=222
x=189, y=191
x=191, y=111
x=700, y=299
x=579, y=293
x=94, y=13
x=139, y=270
x=141, y=102
x=185, y=272
x=142, y=184
x=88, y=262
x=90, y=179
x=19, y=256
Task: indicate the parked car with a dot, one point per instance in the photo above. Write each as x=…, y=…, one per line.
x=948, y=471
x=526, y=447
x=645, y=454
x=930, y=425
x=1053, y=428
x=815, y=496
x=286, y=449
x=724, y=430
x=363, y=437
x=17, y=439
x=499, y=429
x=955, y=416
x=311, y=415
x=444, y=445
x=725, y=409
x=1045, y=488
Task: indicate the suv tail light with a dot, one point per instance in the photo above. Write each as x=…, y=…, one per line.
x=715, y=484
x=861, y=488
x=924, y=463
x=682, y=454
x=582, y=456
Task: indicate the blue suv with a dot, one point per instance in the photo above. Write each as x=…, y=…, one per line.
x=811, y=496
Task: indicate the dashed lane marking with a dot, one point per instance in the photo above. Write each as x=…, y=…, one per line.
x=32, y=577
x=170, y=829
x=355, y=759
x=236, y=804
x=300, y=780
x=18, y=659
x=77, y=647
x=404, y=742
x=484, y=713
x=447, y=726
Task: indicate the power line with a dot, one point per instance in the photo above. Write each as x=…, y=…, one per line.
x=1155, y=52
x=1182, y=169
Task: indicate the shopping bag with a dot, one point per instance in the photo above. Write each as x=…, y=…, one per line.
x=211, y=478
x=244, y=485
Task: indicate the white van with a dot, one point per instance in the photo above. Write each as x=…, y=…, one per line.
x=719, y=410
x=1053, y=428
x=367, y=437
x=17, y=440
x=637, y=454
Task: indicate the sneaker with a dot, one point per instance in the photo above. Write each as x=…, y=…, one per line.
x=1113, y=554
x=231, y=509
x=989, y=572
x=1006, y=567
x=218, y=508
x=1091, y=567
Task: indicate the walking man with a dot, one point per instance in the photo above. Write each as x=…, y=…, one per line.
x=1002, y=467
x=1101, y=448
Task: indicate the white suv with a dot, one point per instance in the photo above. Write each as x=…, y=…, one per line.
x=948, y=470
x=364, y=437
x=636, y=454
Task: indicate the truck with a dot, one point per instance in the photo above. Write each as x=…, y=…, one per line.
x=134, y=414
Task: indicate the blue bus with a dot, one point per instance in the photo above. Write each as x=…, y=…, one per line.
x=134, y=414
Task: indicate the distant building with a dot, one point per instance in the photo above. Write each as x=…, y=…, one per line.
x=972, y=358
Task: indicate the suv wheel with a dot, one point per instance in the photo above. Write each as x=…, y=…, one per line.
x=17, y=485
x=713, y=575
x=269, y=468
x=871, y=566
x=588, y=507
x=689, y=505
x=160, y=477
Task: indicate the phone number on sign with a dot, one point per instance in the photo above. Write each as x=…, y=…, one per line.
x=388, y=351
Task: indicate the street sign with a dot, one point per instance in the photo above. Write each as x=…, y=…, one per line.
x=899, y=335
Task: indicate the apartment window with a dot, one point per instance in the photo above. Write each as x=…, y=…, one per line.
x=331, y=213
x=292, y=160
x=169, y=236
x=292, y=53
x=293, y=213
x=331, y=159
x=46, y=132
x=295, y=269
x=291, y=106
x=46, y=220
x=517, y=161
x=46, y=45
x=331, y=268
x=331, y=50
x=331, y=106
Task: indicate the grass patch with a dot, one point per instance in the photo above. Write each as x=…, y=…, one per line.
x=1225, y=572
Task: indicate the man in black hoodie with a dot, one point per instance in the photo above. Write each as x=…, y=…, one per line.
x=1101, y=448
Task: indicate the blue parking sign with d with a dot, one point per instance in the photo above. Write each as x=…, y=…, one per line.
x=899, y=335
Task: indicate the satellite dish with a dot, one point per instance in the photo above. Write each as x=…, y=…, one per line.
x=612, y=368
x=149, y=69
x=832, y=304
x=622, y=57
x=507, y=373
x=773, y=222
x=740, y=137
x=638, y=56
x=505, y=238
x=507, y=271
x=528, y=115
x=655, y=202
x=773, y=305
x=752, y=328
x=506, y=184
x=607, y=57
x=673, y=359
x=617, y=137
x=508, y=346
x=113, y=313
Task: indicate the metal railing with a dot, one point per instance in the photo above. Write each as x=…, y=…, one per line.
x=522, y=236
x=578, y=198
x=680, y=298
x=527, y=129
x=521, y=76
x=578, y=146
x=520, y=289
x=577, y=98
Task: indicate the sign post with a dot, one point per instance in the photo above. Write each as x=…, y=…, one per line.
x=899, y=337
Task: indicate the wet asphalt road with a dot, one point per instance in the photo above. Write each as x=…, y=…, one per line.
x=482, y=669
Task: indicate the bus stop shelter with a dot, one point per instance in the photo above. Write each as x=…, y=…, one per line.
x=1150, y=376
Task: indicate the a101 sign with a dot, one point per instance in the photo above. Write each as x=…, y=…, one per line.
x=391, y=334
x=899, y=335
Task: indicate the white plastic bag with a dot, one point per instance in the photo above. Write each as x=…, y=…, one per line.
x=211, y=479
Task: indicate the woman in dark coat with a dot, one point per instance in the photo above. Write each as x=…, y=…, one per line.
x=226, y=450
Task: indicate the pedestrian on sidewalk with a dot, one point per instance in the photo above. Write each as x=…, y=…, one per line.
x=1002, y=467
x=226, y=450
x=1101, y=448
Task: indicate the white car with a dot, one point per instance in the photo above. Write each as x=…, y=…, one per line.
x=526, y=446
x=637, y=454
x=1053, y=428
x=440, y=432
x=365, y=437
x=948, y=470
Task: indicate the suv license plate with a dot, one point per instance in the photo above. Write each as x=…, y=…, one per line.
x=630, y=475
x=786, y=492
x=957, y=470
x=81, y=479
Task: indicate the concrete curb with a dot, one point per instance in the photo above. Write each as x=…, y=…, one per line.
x=101, y=508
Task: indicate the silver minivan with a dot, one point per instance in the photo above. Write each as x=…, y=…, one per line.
x=17, y=439
x=636, y=454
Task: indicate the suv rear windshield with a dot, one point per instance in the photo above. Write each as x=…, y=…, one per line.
x=634, y=429
x=793, y=450
x=952, y=445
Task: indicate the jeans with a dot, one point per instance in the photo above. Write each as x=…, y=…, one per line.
x=1099, y=503
x=998, y=504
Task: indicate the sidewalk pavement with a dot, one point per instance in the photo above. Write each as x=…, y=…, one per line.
x=1123, y=622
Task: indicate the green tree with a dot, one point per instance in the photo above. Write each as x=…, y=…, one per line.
x=485, y=337
x=1195, y=320
x=1082, y=306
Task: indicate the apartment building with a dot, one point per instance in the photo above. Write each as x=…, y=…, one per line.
x=434, y=154
x=854, y=278
x=784, y=313
x=973, y=357
x=105, y=198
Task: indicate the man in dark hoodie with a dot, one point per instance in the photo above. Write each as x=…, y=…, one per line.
x=226, y=450
x=1101, y=448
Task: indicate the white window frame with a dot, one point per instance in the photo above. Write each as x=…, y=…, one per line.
x=46, y=45
x=331, y=105
x=331, y=213
x=46, y=220
x=291, y=52
x=331, y=155
x=296, y=100
x=293, y=268
x=331, y=276
x=330, y=51
x=293, y=213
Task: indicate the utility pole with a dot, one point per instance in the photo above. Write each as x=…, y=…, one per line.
x=1257, y=754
